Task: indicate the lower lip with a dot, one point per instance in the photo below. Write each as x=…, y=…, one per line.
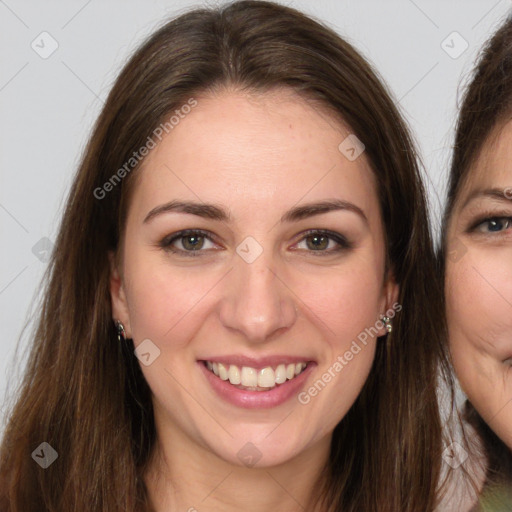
x=256, y=399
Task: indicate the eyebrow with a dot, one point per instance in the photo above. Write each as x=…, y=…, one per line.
x=494, y=193
x=214, y=212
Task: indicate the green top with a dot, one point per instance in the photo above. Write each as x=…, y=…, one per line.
x=495, y=499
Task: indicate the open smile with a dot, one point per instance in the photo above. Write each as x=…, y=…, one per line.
x=249, y=383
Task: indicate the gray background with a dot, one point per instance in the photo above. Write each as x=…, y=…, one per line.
x=48, y=105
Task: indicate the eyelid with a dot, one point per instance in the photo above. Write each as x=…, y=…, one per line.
x=487, y=218
x=167, y=241
x=486, y=214
x=338, y=238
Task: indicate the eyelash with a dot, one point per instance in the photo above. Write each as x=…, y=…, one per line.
x=166, y=243
x=489, y=218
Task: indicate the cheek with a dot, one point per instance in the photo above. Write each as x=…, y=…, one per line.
x=347, y=302
x=161, y=296
x=479, y=298
x=479, y=307
x=164, y=299
x=171, y=303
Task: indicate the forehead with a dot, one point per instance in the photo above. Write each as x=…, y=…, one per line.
x=493, y=167
x=269, y=149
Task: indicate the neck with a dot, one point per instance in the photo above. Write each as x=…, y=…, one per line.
x=182, y=475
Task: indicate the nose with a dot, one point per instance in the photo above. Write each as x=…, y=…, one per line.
x=258, y=303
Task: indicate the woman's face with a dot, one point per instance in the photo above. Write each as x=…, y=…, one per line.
x=247, y=291
x=479, y=284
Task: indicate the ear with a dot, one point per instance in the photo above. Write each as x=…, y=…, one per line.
x=390, y=304
x=118, y=296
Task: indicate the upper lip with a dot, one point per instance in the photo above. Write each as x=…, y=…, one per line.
x=257, y=362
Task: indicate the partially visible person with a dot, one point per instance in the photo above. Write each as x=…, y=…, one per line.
x=477, y=254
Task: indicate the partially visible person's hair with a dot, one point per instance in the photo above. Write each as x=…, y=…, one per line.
x=486, y=107
x=498, y=455
x=84, y=393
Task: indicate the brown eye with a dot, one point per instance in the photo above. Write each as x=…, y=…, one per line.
x=318, y=242
x=324, y=242
x=188, y=242
x=192, y=242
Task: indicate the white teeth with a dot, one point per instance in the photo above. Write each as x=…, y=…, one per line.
x=223, y=372
x=249, y=376
x=266, y=378
x=256, y=380
x=280, y=374
x=234, y=374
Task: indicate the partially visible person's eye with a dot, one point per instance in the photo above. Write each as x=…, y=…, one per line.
x=492, y=225
x=318, y=241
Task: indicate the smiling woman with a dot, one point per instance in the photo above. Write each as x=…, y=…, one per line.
x=273, y=245
x=477, y=256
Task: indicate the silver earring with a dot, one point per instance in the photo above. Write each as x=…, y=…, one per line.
x=387, y=323
x=121, y=333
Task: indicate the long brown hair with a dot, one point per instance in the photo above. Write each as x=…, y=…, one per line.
x=486, y=105
x=84, y=393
